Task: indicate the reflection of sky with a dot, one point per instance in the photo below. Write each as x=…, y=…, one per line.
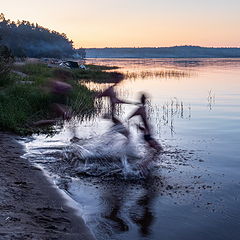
x=211, y=133
x=211, y=91
x=103, y=23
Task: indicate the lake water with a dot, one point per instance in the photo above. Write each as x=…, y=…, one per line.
x=193, y=191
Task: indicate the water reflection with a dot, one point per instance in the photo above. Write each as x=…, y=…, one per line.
x=142, y=214
x=156, y=74
x=211, y=99
x=115, y=205
x=125, y=206
x=175, y=63
x=196, y=117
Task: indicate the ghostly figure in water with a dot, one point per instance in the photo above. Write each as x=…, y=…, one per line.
x=146, y=129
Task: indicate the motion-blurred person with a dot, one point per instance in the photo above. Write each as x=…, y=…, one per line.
x=59, y=90
x=141, y=112
x=110, y=92
x=147, y=135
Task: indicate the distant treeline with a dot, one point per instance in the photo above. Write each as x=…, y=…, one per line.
x=27, y=39
x=164, y=52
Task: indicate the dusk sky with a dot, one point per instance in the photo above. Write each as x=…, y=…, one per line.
x=134, y=23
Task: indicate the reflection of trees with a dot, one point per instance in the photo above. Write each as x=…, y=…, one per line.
x=181, y=64
x=198, y=63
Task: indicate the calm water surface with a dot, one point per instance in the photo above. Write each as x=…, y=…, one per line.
x=194, y=191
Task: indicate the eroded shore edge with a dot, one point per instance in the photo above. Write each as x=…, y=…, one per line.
x=31, y=206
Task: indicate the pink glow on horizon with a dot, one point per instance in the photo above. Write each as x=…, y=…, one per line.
x=134, y=23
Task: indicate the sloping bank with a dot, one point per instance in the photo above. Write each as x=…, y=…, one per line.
x=30, y=206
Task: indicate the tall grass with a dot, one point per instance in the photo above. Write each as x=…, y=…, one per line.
x=159, y=74
x=166, y=114
x=98, y=74
x=38, y=73
x=20, y=105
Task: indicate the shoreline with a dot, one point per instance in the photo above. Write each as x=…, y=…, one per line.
x=31, y=206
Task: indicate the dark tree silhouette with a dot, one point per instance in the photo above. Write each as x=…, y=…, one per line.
x=26, y=39
x=6, y=60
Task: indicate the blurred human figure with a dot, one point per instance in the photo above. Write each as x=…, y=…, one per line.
x=59, y=90
x=110, y=92
x=147, y=135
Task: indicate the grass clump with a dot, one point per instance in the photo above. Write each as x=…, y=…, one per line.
x=98, y=74
x=20, y=105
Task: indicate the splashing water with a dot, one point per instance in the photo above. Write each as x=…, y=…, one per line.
x=109, y=154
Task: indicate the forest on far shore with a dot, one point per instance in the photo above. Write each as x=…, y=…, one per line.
x=27, y=39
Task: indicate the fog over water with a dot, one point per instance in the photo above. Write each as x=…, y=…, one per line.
x=193, y=191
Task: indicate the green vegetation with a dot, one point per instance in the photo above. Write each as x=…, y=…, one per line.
x=6, y=61
x=19, y=104
x=97, y=74
x=25, y=98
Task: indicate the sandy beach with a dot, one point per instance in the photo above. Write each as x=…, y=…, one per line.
x=30, y=207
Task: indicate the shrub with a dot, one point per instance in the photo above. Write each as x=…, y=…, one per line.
x=6, y=61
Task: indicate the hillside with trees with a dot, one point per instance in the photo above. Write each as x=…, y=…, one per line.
x=27, y=39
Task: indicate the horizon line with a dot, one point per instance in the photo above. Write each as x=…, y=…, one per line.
x=197, y=46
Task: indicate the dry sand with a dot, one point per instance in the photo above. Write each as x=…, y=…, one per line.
x=30, y=207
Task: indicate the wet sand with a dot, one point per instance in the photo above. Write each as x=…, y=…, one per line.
x=30, y=207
